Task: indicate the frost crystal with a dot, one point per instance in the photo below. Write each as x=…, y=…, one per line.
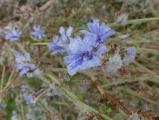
x=114, y=64
x=54, y=90
x=134, y=116
x=122, y=19
x=35, y=73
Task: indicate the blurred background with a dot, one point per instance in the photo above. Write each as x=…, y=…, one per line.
x=136, y=23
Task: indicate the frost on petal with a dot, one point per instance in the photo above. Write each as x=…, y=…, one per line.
x=114, y=63
x=75, y=45
x=90, y=63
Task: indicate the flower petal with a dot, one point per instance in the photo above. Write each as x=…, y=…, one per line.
x=69, y=31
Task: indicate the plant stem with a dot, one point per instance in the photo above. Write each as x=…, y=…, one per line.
x=112, y=99
x=76, y=98
x=40, y=43
x=136, y=21
x=2, y=79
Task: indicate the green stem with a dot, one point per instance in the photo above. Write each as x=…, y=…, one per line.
x=3, y=73
x=143, y=20
x=117, y=82
x=112, y=99
x=21, y=47
x=40, y=43
x=22, y=112
x=96, y=83
x=128, y=91
x=76, y=98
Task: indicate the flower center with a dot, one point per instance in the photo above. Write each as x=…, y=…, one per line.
x=87, y=55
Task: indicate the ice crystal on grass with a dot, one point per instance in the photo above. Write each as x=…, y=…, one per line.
x=114, y=63
x=82, y=55
x=122, y=19
x=24, y=63
x=15, y=116
x=54, y=90
x=34, y=73
x=35, y=113
x=38, y=32
x=134, y=116
x=129, y=55
x=101, y=33
x=13, y=35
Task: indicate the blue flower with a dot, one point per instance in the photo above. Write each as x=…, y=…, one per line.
x=2, y=106
x=38, y=32
x=146, y=107
x=65, y=35
x=13, y=35
x=85, y=87
x=101, y=33
x=81, y=55
x=57, y=45
x=24, y=88
x=27, y=98
x=87, y=101
x=131, y=51
x=24, y=63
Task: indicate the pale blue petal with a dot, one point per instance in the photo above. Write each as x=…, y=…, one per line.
x=69, y=59
x=86, y=32
x=69, y=31
x=102, y=48
x=91, y=27
x=62, y=31
x=108, y=34
x=103, y=29
x=23, y=71
x=27, y=56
